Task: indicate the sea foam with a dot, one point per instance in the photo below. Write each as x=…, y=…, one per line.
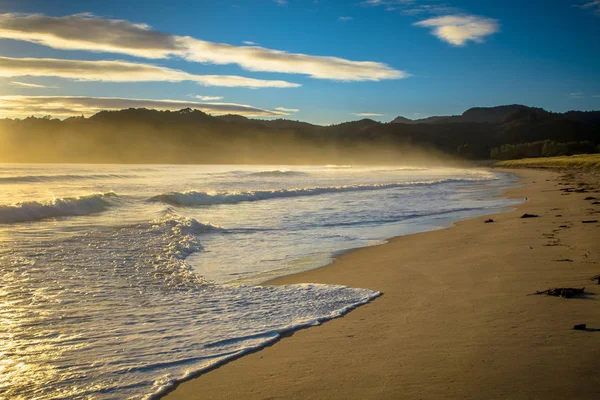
x=58, y=207
x=198, y=198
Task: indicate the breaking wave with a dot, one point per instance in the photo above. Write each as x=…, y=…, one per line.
x=197, y=198
x=59, y=207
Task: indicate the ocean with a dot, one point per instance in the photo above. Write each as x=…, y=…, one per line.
x=120, y=280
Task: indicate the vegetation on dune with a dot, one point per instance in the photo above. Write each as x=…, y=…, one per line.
x=544, y=148
x=584, y=161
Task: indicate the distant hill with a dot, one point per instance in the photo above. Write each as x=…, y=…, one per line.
x=504, y=114
x=192, y=136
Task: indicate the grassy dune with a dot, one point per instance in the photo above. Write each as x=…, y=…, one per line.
x=584, y=161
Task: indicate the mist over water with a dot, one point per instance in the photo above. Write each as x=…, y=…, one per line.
x=120, y=280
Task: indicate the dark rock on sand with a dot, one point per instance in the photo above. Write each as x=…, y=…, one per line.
x=567, y=293
x=487, y=221
x=579, y=327
x=590, y=198
x=529, y=216
x=589, y=221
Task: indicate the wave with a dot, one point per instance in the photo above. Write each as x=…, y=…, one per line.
x=327, y=302
x=183, y=234
x=196, y=198
x=167, y=242
x=277, y=173
x=54, y=178
x=59, y=207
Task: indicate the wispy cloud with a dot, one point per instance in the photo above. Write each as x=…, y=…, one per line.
x=281, y=2
x=344, y=19
x=89, y=33
x=577, y=95
x=411, y=7
x=368, y=115
x=208, y=98
x=32, y=85
x=65, y=106
x=287, y=110
x=596, y=96
x=123, y=71
x=249, y=43
x=591, y=5
x=459, y=29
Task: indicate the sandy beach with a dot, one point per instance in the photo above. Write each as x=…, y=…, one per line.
x=457, y=319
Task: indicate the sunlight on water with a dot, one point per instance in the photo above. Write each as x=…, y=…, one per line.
x=115, y=277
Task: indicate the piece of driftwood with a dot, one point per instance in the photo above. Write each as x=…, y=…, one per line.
x=590, y=198
x=567, y=293
x=589, y=221
x=580, y=327
x=529, y=216
x=487, y=221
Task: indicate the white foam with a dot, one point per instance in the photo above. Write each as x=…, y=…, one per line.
x=198, y=198
x=58, y=207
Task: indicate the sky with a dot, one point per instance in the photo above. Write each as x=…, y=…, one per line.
x=319, y=61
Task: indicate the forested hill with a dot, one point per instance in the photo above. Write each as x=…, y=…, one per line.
x=191, y=136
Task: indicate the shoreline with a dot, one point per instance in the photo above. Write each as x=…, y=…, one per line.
x=350, y=349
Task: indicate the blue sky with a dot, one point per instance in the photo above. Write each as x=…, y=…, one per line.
x=392, y=57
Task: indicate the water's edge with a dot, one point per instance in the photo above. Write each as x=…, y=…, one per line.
x=333, y=258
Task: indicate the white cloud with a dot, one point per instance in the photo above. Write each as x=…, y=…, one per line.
x=265, y=60
x=209, y=98
x=368, y=115
x=249, y=43
x=592, y=5
x=344, y=19
x=89, y=33
x=596, y=96
x=459, y=29
x=32, y=85
x=281, y=2
x=287, y=110
x=65, y=106
x=577, y=95
x=122, y=71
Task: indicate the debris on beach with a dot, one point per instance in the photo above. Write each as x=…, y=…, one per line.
x=573, y=190
x=567, y=293
x=590, y=198
x=529, y=216
x=580, y=327
x=487, y=221
x=565, y=260
x=589, y=221
x=596, y=278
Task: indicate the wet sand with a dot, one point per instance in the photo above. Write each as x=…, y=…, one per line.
x=456, y=320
